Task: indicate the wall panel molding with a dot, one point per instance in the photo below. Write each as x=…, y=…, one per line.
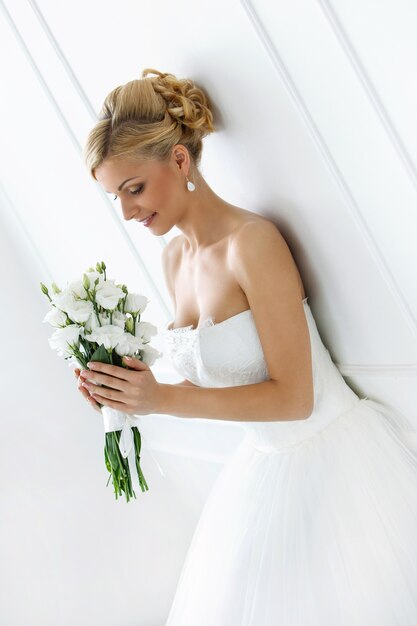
x=370, y=90
x=329, y=159
x=71, y=134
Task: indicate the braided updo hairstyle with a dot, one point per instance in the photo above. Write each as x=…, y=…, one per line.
x=146, y=117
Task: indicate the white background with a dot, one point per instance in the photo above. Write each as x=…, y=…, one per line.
x=315, y=105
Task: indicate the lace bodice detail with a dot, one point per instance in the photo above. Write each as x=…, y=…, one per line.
x=230, y=353
x=237, y=359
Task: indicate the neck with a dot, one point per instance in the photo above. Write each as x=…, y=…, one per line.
x=206, y=217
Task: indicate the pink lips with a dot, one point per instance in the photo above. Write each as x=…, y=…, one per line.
x=148, y=221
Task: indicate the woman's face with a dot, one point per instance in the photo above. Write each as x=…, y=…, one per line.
x=146, y=187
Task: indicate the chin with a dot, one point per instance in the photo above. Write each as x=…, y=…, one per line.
x=161, y=233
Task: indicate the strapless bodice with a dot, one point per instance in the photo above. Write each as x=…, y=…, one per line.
x=218, y=354
x=229, y=353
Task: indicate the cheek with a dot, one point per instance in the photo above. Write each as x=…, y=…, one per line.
x=167, y=193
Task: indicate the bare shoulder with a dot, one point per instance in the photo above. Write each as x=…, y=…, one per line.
x=258, y=247
x=256, y=228
x=256, y=236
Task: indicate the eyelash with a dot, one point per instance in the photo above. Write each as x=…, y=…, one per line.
x=134, y=192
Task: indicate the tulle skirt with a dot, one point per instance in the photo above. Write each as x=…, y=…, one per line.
x=323, y=533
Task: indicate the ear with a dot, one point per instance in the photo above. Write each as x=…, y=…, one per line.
x=181, y=157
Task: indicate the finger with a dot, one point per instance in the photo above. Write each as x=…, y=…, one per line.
x=106, y=392
x=94, y=404
x=114, y=404
x=85, y=393
x=113, y=371
x=96, y=379
x=88, y=397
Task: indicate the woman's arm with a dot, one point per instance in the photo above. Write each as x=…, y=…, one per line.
x=260, y=402
x=265, y=270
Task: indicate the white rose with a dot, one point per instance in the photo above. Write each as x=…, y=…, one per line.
x=80, y=310
x=93, y=323
x=128, y=345
x=56, y=318
x=135, y=303
x=92, y=276
x=149, y=355
x=145, y=330
x=119, y=319
x=108, y=295
x=78, y=289
x=77, y=310
x=63, y=300
x=108, y=336
x=64, y=336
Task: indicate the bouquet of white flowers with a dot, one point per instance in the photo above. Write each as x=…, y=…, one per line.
x=97, y=320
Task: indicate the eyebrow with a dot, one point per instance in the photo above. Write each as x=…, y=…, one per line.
x=124, y=183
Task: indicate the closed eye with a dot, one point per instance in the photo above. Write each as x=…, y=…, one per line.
x=137, y=190
x=134, y=191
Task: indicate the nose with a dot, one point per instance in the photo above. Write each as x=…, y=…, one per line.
x=128, y=211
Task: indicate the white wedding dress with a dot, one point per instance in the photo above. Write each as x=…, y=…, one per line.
x=309, y=522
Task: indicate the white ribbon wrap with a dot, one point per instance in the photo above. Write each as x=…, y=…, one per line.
x=118, y=420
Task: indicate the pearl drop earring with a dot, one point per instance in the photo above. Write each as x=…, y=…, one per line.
x=190, y=185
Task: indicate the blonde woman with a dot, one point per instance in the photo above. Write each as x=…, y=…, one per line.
x=312, y=520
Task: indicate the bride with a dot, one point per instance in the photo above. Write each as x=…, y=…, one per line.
x=312, y=519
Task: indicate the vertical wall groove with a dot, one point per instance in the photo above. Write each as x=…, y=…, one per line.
x=331, y=164
x=68, y=129
x=370, y=90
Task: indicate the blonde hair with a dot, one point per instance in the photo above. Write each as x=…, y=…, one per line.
x=145, y=118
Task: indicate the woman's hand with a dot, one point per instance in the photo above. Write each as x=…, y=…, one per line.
x=84, y=391
x=133, y=391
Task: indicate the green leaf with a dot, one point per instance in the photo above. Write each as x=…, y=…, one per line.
x=106, y=459
x=118, y=360
x=101, y=355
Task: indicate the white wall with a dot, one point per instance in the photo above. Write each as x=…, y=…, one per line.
x=315, y=105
